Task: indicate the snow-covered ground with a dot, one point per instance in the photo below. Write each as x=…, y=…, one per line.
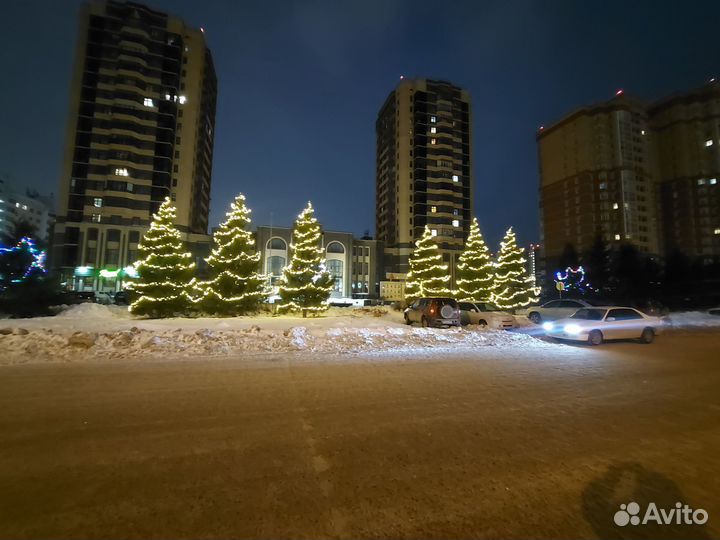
x=89, y=332
x=93, y=332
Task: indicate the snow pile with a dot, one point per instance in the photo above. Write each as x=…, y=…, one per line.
x=94, y=311
x=21, y=345
x=694, y=319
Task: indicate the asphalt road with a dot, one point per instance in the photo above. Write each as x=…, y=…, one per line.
x=496, y=444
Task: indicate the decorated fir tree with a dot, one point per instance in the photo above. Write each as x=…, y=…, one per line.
x=165, y=269
x=235, y=287
x=512, y=287
x=475, y=268
x=428, y=275
x=305, y=285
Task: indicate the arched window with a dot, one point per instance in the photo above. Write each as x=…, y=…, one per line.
x=335, y=247
x=335, y=267
x=274, y=268
x=276, y=243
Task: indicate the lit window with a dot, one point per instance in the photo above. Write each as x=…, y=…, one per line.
x=455, y=178
x=182, y=100
x=433, y=209
x=433, y=129
x=617, y=237
x=168, y=97
x=17, y=205
x=709, y=142
x=712, y=181
x=433, y=232
x=701, y=182
x=433, y=141
x=433, y=119
x=603, y=185
x=456, y=222
x=717, y=231
x=122, y=172
x=615, y=206
x=97, y=202
x=96, y=218
x=148, y=102
x=642, y=132
x=24, y=206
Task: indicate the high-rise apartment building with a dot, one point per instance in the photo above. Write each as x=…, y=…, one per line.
x=423, y=170
x=597, y=179
x=632, y=172
x=141, y=128
x=686, y=130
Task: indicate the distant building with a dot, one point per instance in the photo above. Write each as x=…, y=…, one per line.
x=423, y=170
x=630, y=172
x=141, y=128
x=686, y=133
x=597, y=179
x=355, y=264
x=27, y=207
x=534, y=266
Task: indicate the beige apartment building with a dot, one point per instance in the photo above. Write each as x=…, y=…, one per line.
x=141, y=128
x=686, y=130
x=423, y=170
x=632, y=172
x=597, y=179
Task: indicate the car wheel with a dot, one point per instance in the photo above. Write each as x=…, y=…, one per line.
x=482, y=322
x=424, y=322
x=535, y=317
x=647, y=336
x=407, y=319
x=595, y=337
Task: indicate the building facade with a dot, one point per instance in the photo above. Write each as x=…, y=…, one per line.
x=597, y=179
x=686, y=131
x=141, y=128
x=423, y=170
x=355, y=264
x=25, y=208
x=645, y=174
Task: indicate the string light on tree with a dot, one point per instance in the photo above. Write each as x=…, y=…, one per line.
x=165, y=269
x=428, y=275
x=512, y=286
x=305, y=284
x=475, y=268
x=21, y=262
x=236, y=287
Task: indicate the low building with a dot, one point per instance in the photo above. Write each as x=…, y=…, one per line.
x=353, y=263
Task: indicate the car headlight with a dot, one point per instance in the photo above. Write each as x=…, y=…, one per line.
x=572, y=328
x=547, y=326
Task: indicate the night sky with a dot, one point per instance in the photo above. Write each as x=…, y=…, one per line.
x=300, y=84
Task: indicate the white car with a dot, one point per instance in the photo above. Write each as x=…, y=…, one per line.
x=485, y=314
x=555, y=309
x=597, y=324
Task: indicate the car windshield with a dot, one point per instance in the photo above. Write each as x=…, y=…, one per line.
x=589, y=314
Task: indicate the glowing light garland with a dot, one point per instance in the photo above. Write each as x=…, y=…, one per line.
x=475, y=268
x=305, y=284
x=428, y=275
x=512, y=286
x=236, y=287
x=165, y=269
x=573, y=279
x=38, y=258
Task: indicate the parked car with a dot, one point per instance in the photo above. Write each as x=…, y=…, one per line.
x=104, y=298
x=485, y=314
x=84, y=296
x=555, y=309
x=122, y=298
x=597, y=324
x=714, y=311
x=433, y=312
